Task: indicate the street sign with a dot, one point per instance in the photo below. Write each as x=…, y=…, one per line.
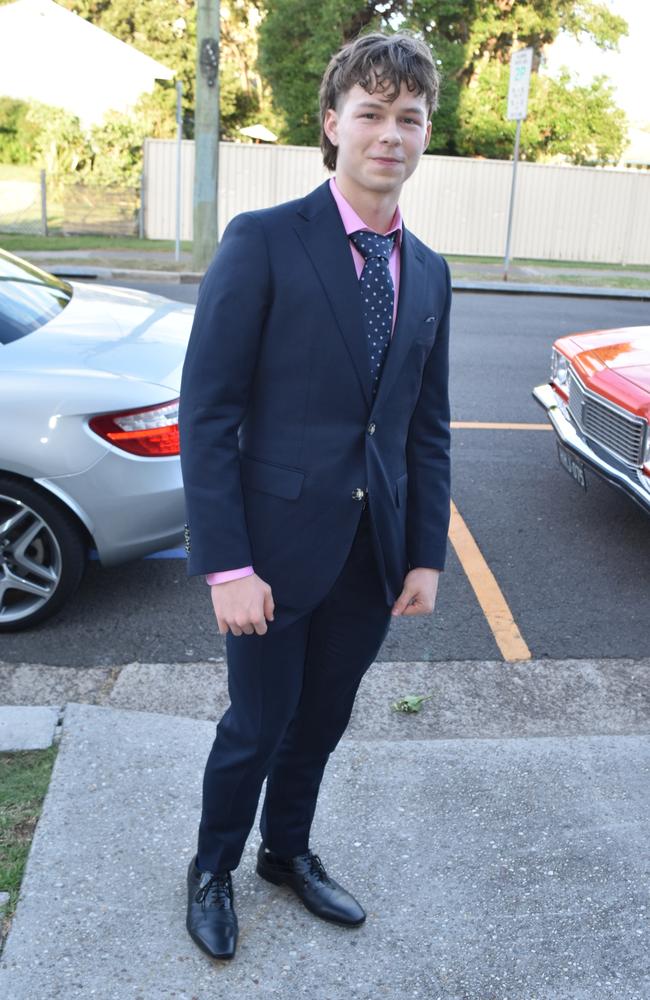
x=520, y=65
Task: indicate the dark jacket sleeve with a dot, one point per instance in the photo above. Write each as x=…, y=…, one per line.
x=219, y=365
x=428, y=455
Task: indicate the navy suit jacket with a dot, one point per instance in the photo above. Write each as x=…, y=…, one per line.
x=277, y=424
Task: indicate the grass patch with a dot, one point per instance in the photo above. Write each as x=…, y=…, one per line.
x=607, y=280
x=24, y=779
x=554, y=264
x=593, y=281
x=15, y=242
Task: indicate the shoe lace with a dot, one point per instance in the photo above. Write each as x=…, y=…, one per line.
x=316, y=867
x=219, y=887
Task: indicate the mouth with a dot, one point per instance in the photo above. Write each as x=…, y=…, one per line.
x=386, y=159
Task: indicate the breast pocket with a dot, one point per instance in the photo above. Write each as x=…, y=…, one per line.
x=425, y=335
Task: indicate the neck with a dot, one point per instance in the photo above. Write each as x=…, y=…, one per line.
x=376, y=208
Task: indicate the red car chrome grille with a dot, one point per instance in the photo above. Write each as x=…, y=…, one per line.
x=613, y=428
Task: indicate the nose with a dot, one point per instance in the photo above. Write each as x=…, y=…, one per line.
x=391, y=133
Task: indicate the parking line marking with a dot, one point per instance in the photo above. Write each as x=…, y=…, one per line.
x=478, y=425
x=489, y=595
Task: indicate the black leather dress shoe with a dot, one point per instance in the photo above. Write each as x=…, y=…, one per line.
x=211, y=917
x=306, y=875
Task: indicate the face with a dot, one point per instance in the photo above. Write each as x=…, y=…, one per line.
x=379, y=142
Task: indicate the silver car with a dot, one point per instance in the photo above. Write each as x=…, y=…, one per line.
x=89, y=453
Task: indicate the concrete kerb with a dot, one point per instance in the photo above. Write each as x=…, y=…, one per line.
x=123, y=274
x=28, y=727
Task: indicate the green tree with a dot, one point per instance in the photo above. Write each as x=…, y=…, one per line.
x=579, y=124
x=117, y=146
x=16, y=133
x=472, y=41
x=297, y=38
x=57, y=142
x=245, y=98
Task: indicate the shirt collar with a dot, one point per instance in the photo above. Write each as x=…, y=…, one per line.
x=351, y=220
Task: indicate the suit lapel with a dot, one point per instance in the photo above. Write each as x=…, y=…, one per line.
x=411, y=290
x=323, y=235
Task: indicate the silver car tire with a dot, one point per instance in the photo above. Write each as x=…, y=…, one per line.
x=42, y=555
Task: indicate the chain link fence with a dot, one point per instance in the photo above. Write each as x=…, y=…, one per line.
x=109, y=211
x=22, y=204
x=36, y=206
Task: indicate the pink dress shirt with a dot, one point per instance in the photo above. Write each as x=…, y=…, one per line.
x=351, y=223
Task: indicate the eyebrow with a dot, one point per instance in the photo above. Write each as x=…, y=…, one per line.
x=382, y=104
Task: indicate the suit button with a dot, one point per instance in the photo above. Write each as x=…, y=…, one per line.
x=372, y=428
x=358, y=494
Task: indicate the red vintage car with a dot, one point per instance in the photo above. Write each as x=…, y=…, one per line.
x=598, y=401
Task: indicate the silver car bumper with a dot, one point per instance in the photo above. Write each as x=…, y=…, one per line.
x=131, y=506
x=630, y=480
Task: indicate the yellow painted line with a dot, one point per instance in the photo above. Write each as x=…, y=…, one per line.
x=477, y=425
x=495, y=608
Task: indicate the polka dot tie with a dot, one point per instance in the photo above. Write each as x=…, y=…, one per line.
x=377, y=296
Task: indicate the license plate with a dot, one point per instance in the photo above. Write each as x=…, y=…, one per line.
x=573, y=466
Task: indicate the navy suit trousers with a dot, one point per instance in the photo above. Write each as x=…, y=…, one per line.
x=291, y=696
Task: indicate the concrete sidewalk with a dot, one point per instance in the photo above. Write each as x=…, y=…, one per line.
x=491, y=869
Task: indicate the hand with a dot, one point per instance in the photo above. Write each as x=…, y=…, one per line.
x=243, y=605
x=418, y=595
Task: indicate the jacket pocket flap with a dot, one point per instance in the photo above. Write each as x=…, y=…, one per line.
x=273, y=479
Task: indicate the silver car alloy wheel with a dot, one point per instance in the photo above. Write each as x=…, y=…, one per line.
x=30, y=560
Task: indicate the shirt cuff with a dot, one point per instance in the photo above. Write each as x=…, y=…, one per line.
x=228, y=574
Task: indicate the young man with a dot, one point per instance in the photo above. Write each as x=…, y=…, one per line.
x=315, y=448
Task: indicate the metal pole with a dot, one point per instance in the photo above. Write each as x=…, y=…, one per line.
x=512, y=199
x=206, y=135
x=179, y=141
x=141, y=211
x=43, y=203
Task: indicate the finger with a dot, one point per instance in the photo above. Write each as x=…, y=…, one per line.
x=419, y=607
x=401, y=602
x=235, y=629
x=269, y=607
x=260, y=626
x=223, y=625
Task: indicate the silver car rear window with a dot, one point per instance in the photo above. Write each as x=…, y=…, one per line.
x=29, y=297
x=27, y=305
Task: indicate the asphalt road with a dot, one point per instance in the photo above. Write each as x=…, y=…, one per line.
x=573, y=567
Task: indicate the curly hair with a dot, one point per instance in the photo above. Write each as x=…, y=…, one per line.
x=378, y=61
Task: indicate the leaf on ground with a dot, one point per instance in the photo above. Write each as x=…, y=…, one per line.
x=410, y=703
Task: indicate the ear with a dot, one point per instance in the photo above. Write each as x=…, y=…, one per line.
x=427, y=136
x=330, y=126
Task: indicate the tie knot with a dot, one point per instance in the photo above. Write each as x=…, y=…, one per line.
x=371, y=244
